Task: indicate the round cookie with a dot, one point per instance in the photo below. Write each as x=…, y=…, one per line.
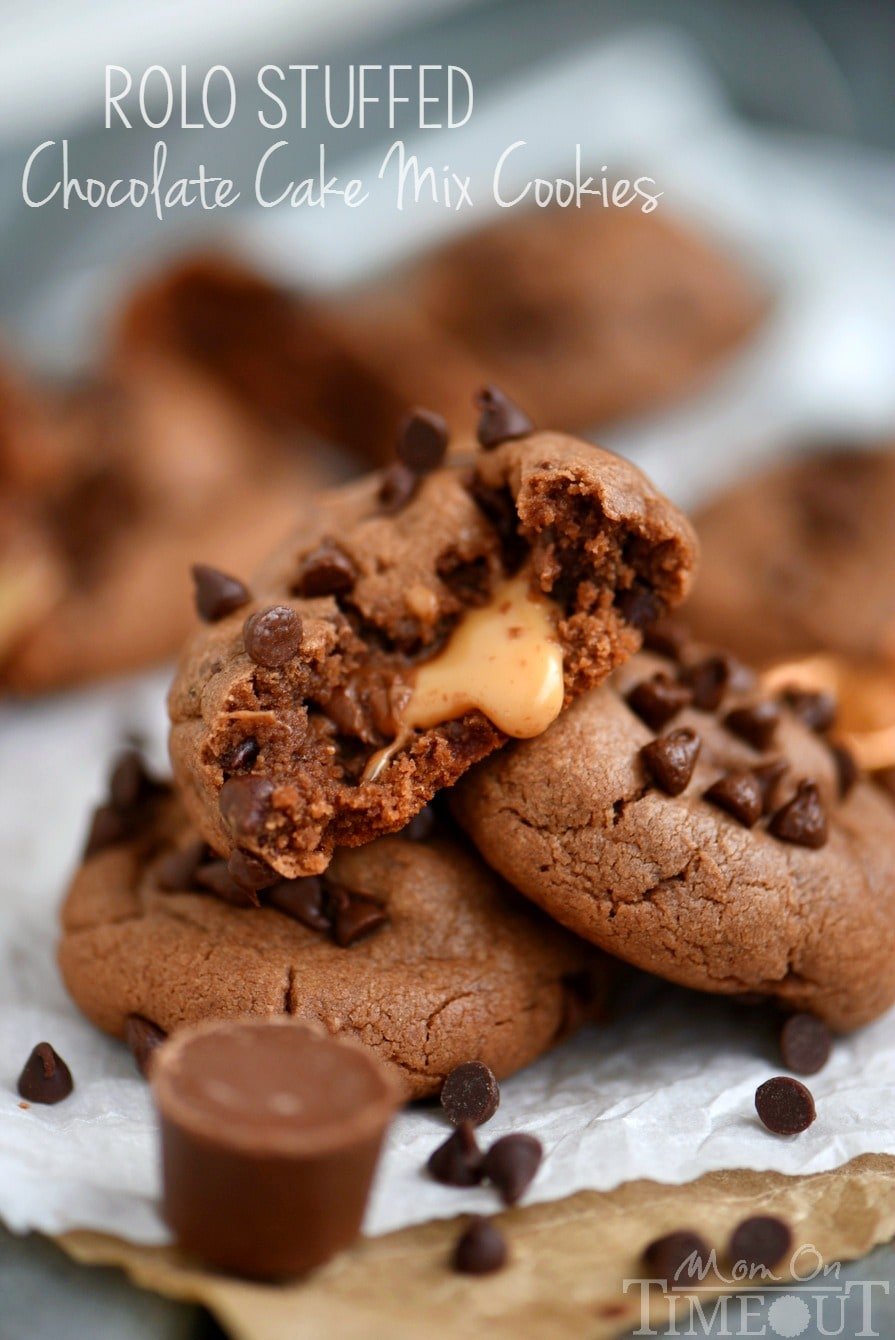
x=798, y=559
x=292, y=716
x=626, y=848
x=419, y=951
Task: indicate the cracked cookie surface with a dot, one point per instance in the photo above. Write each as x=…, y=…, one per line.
x=281, y=706
x=727, y=847
x=454, y=966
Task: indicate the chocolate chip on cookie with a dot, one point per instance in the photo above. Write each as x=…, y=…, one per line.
x=677, y=1257
x=481, y=1248
x=176, y=870
x=132, y=792
x=45, y=1078
x=670, y=760
x=217, y=593
x=769, y=775
x=458, y=1161
x=805, y=1043
x=272, y=636
x=658, y=699
x=760, y=1242
x=215, y=877
x=668, y=638
x=784, y=1105
x=422, y=441
x=511, y=1164
x=245, y=805
x=398, y=485
x=756, y=724
x=711, y=678
x=817, y=708
x=470, y=1093
x=847, y=770
x=802, y=820
x=143, y=1037
x=249, y=872
x=354, y=916
x=740, y=793
x=500, y=420
x=325, y=571
x=303, y=899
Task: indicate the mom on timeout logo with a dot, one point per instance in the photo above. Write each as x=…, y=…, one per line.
x=700, y=1301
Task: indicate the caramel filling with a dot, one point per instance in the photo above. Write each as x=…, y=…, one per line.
x=503, y=660
x=866, y=695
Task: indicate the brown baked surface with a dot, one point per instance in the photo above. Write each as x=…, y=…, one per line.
x=598, y=537
x=675, y=884
x=462, y=969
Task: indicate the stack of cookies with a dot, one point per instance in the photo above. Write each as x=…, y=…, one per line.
x=443, y=760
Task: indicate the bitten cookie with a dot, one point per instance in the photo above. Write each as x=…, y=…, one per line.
x=799, y=559
x=699, y=829
x=415, y=622
x=409, y=945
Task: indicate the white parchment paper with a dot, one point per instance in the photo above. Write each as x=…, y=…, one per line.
x=666, y=1091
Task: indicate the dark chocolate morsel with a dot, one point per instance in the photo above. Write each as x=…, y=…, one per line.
x=784, y=1105
x=250, y=872
x=398, y=486
x=639, y=606
x=45, y=1077
x=711, y=678
x=129, y=782
x=500, y=420
x=242, y=756
x=215, y=878
x=667, y=638
x=176, y=871
x=670, y=760
x=805, y=1044
x=678, y=1258
x=302, y=899
x=803, y=820
x=325, y=571
x=658, y=699
x=470, y=1093
x=739, y=792
x=217, y=594
x=756, y=724
x=272, y=636
x=815, y=708
x=142, y=1037
x=108, y=826
x=422, y=441
x=847, y=771
x=354, y=916
x=768, y=775
x=457, y=1162
x=481, y=1248
x=760, y=1242
x=511, y=1163
x=244, y=804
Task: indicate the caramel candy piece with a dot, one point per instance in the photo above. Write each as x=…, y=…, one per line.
x=271, y=1130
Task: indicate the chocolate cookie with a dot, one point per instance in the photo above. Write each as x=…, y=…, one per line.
x=683, y=820
x=108, y=491
x=410, y=945
x=415, y=623
x=798, y=559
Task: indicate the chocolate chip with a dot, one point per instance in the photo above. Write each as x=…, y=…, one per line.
x=803, y=821
x=217, y=594
x=658, y=699
x=768, y=775
x=129, y=782
x=302, y=899
x=470, y=1093
x=739, y=793
x=422, y=441
x=457, y=1162
x=245, y=804
x=250, y=872
x=760, y=1243
x=421, y=826
x=242, y=756
x=325, y=571
x=805, y=1044
x=107, y=828
x=397, y=487
x=45, y=1078
x=511, y=1164
x=272, y=636
x=354, y=916
x=667, y=638
x=756, y=724
x=815, y=709
x=639, y=606
x=670, y=760
x=481, y=1248
x=142, y=1037
x=176, y=871
x=712, y=678
x=581, y=1000
x=500, y=420
x=847, y=771
x=784, y=1105
x=678, y=1256
x=214, y=877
